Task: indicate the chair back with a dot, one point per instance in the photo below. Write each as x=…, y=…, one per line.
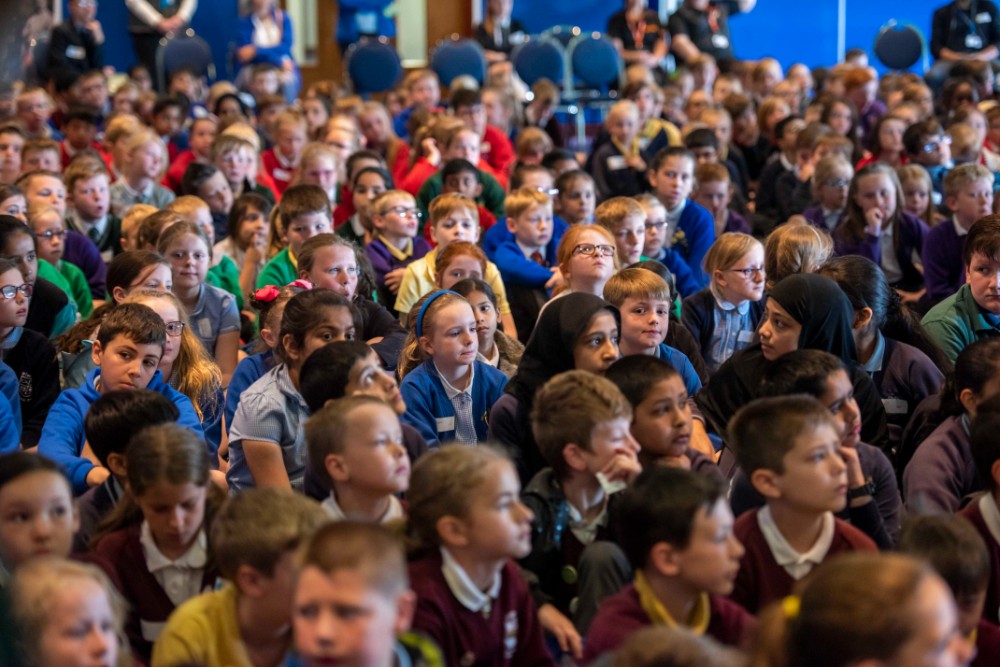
x=373, y=66
x=539, y=58
x=900, y=46
x=455, y=57
x=183, y=50
x=595, y=61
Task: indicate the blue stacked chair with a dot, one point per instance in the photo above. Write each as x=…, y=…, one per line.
x=373, y=66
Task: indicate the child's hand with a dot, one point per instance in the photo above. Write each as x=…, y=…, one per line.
x=560, y=627
x=636, y=162
x=431, y=152
x=393, y=279
x=855, y=476
x=97, y=31
x=97, y=476
x=557, y=280
x=874, y=220
x=624, y=466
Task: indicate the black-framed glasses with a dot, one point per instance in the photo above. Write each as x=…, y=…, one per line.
x=749, y=271
x=10, y=291
x=174, y=328
x=404, y=212
x=657, y=225
x=588, y=249
x=52, y=234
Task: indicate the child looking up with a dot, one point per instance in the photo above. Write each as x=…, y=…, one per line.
x=626, y=221
x=254, y=539
x=88, y=194
x=830, y=183
x=724, y=316
x=145, y=160
x=156, y=541
x=395, y=244
x=788, y=447
x=450, y=394
x=577, y=197
x=356, y=445
x=466, y=516
x=968, y=193
x=715, y=193
x=618, y=166
x=304, y=212
x=495, y=347
x=50, y=232
x=282, y=160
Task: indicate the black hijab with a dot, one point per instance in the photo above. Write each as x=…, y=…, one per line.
x=822, y=309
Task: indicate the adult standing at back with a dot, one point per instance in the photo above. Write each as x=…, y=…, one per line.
x=148, y=20
x=641, y=37
x=498, y=34
x=702, y=26
x=265, y=37
x=963, y=30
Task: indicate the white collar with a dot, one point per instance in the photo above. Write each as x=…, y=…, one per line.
x=740, y=308
x=194, y=558
x=356, y=226
x=145, y=192
x=991, y=514
x=464, y=590
x=785, y=163
x=450, y=389
x=797, y=565
x=583, y=530
x=392, y=513
x=494, y=358
x=959, y=229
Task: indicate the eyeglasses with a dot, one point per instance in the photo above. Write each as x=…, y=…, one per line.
x=749, y=271
x=403, y=212
x=933, y=145
x=551, y=192
x=837, y=182
x=10, y=291
x=175, y=328
x=656, y=225
x=588, y=249
x=52, y=234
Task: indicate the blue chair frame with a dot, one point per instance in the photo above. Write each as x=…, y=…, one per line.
x=456, y=56
x=373, y=66
x=184, y=50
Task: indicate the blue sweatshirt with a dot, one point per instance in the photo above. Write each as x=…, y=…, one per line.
x=10, y=411
x=63, y=437
x=517, y=269
x=682, y=365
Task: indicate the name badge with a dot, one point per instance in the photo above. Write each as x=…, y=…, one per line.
x=282, y=174
x=744, y=336
x=445, y=424
x=74, y=52
x=984, y=17
x=973, y=42
x=616, y=163
x=204, y=328
x=894, y=406
x=720, y=41
x=367, y=22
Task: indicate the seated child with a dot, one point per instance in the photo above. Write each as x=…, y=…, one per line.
x=685, y=557
x=496, y=150
x=127, y=351
x=88, y=194
x=786, y=133
x=458, y=142
x=715, y=192
x=80, y=126
x=661, y=414
x=626, y=221
x=459, y=176
x=169, y=112
x=423, y=89
x=50, y=232
x=467, y=518
x=281, y=162
x=205, y=181
x=643, y=298
x=131, y=222
x=958, y=553
x=971, y=313
x=793, y=190
x=254, y=538
x=303, y=213
x=36, y=490
x=447, y=390
x=789, y=449
x=222, y=272
x=235, y=157
x=580, y=422
x=495, y=347
x=656, y=249
x=145, y=158
x=577, y=197
x=245, y=243
x=367, y=183
x=157, y=546
x=524, y=176
x=527, y=261
x=830, y=183
x=968, y=194
x=200, y=150
x=724, y=316
x=918, y=194
x=395, y=244
x=40, y=154
x=452, y=218
x=618, y=166
x=356, y=446
x=690, y=229
x=360, y=567
x=108, y=428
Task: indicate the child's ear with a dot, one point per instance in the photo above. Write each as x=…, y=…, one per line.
x=291, y=349
x=336, y=468
x=969, y=400
x=511, y=225
x=406, y=605
x=479, y=190
x=426, y=346
x=452, y=531
x=573, y=455
x=118, y=293
x=270, y=337
x=116, y=464
x=950, y=201
x=96, y=352
x=766, y=483
x=248, y=581
x=663, y=559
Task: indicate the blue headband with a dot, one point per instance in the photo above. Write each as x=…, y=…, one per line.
x=423, y=308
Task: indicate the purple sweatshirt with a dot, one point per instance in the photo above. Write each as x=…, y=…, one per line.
x=944, y=270
x=942, y=472
x=912, y=231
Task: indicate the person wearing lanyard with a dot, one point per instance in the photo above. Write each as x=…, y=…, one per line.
x=702, y=26
x=640, y=37
x=963, y=30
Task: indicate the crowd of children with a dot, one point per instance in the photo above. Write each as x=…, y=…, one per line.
x=406, y=381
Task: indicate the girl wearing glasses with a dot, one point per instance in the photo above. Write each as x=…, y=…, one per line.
x=28, y=353
x=724, y=315
x=50, y=234
x=587, y=258
x=829, y=189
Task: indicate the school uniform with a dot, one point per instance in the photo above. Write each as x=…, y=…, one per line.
x=271, y=410
x=944, y=269
x=385, y=258
x=250, y=369
x=50, y=273
x=82, y=253
x=174, y=177
x=827, y=220
x=693, y=234
x=767, y=567
x=79, y=290
x=394, y=513
x=214, y=314
x=279, y=271
x=419, y=279
x=152, y=585
x=942, y=473
x=721, y=328
x=106, y=234
x=51, y=311
x=498, y=628
x=123, y=196
x=279, y=168
x=628, y=611
x=430, y=403
x=612, y=176
x=377, y=322
x=63, y=438
x=492, y=196
x=525, y=278
x=984, y=515
x=735, y=223
x=880, y=519
x=496, y=150
x=684, y=280
x=93, y=507
x=498, y=234
x=895, y=256
x=680, y=362
x=224, y=275
x=10, y=410
x=33, y=359
x=957, y=322
x=767, y=188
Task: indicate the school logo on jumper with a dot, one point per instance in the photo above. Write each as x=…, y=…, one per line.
x=679, y=240
x=25, y=387
x=509, y=635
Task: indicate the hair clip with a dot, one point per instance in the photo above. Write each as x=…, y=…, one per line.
x=790, y=606
x=301, y=283
x=266, y=294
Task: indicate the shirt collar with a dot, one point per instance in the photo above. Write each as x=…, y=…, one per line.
x=464, y=590
x=741, y=308
x=701, y=615
x=494, y=358
x=991, y=514
x=12, y=339
x=874, y=364
x=785, y=163
x=400, y=254
x=356, y=226
x=450, y=390
x=796, y=564
x=144, y=193
x=959, y=229
x=392, y=513
x=194, y=558
x=528, y=250
x=583, y=530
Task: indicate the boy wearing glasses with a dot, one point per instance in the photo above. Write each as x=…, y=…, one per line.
x=968, y=193
x=395, y=244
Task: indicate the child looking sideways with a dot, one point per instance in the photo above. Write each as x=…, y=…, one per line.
x=655, y=245
x=715, y=193
x=50, y=233
x=466, y=516
x=246, y=240
x=685, y=557
x=830, y=183
x=918, y=194
x=449, y=395
x=724, y=316
x=395, y=244
x=618, y=166
x=789, y=449
x=145, y=160
x=968, y=193
x=495, y=347
x=356, y=446
x=303, y=213
x=626, y=221
x=206, y=182
x=581, y=424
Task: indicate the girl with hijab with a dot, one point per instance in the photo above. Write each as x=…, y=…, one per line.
x=804, y=311
x=578, y=331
